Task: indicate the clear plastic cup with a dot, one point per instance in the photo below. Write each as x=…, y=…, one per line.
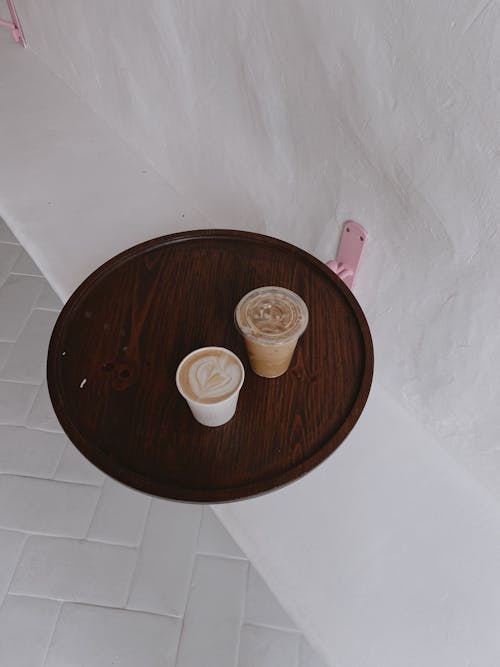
x=271, y=320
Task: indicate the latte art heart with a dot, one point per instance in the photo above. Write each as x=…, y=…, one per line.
x=212, y=376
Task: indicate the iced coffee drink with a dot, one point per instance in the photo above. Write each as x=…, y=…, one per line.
x=271, y=320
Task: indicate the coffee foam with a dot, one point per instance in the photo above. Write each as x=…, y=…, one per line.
x=210, y=376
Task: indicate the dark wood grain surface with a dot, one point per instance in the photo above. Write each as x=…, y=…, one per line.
x=117, y=343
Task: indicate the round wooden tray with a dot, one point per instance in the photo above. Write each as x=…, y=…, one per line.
x=117, y=343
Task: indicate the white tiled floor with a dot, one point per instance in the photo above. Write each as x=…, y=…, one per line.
x=92, y=573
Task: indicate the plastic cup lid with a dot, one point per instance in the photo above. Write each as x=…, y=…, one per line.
x=271, y=315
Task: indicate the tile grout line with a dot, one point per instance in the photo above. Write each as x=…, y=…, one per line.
x=198, y=532
x=40, y=428
x=101, y=540
x=243, y=614
x=209, y=554
x=98, y=605
x=54, y=473
x=11, y=273
x=11, y=352
x=29, y=275
x=31, y=384
x=45, y=309
x=33, y=596
x=196, y=554
x=139, y=552
x=181, y=631
x=2, y=282
x=221, y=556
x=32, y=307
x=36, y=533
x=48, y=479
x=21, y=551
x=32, y=405
x=94, y=511
x=30, y=312
x=32, y=475
x=278, y=628
x=71, y=538
x=51, y=638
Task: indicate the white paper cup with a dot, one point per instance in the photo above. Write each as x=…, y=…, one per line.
x=214, y=413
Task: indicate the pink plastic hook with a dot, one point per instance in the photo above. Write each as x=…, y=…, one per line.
x=351, y=246
x=14, y=24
